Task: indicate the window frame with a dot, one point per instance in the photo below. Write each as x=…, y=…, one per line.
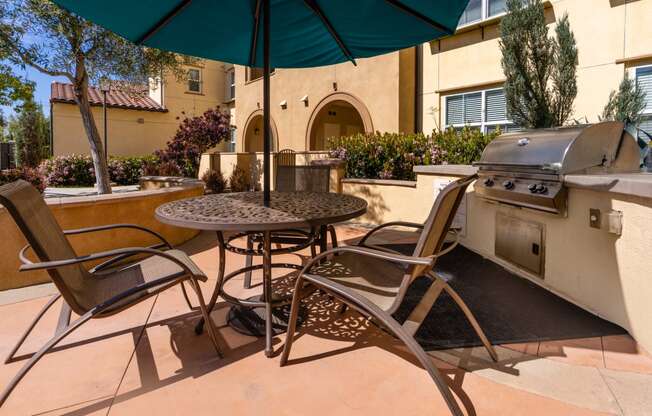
x=631, y=72
x=249, y=70
x=229, y=85
x=483, y=125
x=484, y=15
x=200, y=81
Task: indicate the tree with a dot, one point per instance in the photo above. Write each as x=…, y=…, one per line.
x=55, y=42
x=31, y=131
x=195, y=136
x=540, y=71
x=626, y=104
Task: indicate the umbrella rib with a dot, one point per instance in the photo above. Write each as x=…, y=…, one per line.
x=312, y=5
x=254, y=39
x=422, y=17
x=164, y=21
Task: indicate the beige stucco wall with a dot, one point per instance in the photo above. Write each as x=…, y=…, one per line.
x=601, y=272
x=79, y=212
x=134, y=132
x=605, y=31
x=374, y=83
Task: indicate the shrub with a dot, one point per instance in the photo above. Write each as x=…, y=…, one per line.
x=239, y=180
x=214, y=181
x=30, y=175
x=195, y=136
x=393, y=155
x=78, y=170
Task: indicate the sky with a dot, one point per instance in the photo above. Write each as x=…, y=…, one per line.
x=42, y=92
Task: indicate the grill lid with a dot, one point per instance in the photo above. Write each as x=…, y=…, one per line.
x=556, y=151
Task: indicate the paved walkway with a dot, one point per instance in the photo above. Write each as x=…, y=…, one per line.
x=147, y=360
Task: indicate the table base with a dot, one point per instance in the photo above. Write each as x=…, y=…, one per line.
x=251, y=321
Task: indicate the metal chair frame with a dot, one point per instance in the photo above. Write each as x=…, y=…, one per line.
x=56, y=268
x=421, y=263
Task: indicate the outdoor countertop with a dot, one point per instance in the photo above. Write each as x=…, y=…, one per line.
x=635, y=184
x=446, y=170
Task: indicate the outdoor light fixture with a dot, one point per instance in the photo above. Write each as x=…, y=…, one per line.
x=334, y=86
x=304, y=99
x=283, y=104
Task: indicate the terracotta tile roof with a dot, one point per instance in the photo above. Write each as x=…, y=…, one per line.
x=63, y=93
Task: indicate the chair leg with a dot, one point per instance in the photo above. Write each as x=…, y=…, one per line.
x=292, y=321
x=391, y=324
x=20, y=342
x=47, y=347
x=333, y=234
x=474, y=323
x=212, y=331
x=185, y=296
x=248, y=262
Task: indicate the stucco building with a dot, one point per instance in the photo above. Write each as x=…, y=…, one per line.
x=454, y=81
x=139, y=124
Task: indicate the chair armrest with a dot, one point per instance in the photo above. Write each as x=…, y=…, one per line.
x=55, y=264
x=115, y=226
x=389, y=224
x=370, y=252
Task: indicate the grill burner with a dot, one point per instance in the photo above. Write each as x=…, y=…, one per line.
x=527, y=168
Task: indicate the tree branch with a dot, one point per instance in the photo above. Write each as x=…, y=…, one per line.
x=28, y=60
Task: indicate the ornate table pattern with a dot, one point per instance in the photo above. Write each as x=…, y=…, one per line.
x=245, y=212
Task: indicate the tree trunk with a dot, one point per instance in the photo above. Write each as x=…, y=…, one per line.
x=97, y=151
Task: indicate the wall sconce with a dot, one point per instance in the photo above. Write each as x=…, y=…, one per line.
x=334, y=86
x=283, y=104
x=256, y=131
x=304, y=99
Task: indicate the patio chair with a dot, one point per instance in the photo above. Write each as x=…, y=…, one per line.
x=110, y=287
x=375, y=281
x=291, y=178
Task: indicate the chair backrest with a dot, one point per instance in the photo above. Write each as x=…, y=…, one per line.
x=42, y=231
x=440, y=218
x=303, y=178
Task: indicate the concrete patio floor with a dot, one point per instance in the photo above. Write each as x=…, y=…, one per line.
x=148, y=360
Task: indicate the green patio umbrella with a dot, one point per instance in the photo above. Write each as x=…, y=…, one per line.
x=274, y=33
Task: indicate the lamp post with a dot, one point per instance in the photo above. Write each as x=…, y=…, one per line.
x=105, y=87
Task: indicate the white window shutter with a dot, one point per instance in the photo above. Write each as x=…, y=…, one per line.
x=495, y=106
x=644, y=81
x=473, y=108
x=455, y=110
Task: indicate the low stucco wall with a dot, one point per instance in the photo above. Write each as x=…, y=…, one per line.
x=604, y=273
x=78, y=212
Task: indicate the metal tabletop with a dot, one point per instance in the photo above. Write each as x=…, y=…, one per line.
x=245, y=211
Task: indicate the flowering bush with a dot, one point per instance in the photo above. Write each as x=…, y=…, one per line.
x=195, y=136
x=30, y=175
x=393, y=155
x=77, y=170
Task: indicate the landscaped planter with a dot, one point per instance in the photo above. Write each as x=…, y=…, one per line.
x=78, y=212
x=158, y=182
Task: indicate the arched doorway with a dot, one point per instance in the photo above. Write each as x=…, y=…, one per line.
x=253, y=134
x=337, y=115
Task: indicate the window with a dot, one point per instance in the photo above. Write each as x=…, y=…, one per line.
x=194, y=80
x=230, y=85
x=233, y=139
x=643, y=76
x=255, y=73
x=478, y=10
x=485, y=110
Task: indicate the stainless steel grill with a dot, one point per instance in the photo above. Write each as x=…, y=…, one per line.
x=527, y=168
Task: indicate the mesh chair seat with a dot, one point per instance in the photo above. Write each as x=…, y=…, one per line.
x=110, y=283
x=377, y=280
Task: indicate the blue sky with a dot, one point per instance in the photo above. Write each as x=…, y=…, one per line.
x=42, y=93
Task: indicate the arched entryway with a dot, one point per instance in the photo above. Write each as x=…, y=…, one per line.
x=253, y=133
x=339, y=114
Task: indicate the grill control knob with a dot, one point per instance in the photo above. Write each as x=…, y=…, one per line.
x=489, y=182
x=508, y=184
x=532, y=187
x=541, y=188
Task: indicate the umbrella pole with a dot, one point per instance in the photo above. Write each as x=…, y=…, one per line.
x=267, y=140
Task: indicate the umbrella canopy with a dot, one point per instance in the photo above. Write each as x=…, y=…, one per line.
x=274, y=33
x=303, y=33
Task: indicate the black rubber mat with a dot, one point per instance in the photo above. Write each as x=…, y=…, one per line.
x=509, y=308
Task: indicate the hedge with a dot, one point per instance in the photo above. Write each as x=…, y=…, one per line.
x=393, y=155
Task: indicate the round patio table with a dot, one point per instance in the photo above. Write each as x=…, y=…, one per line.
x=244, y=214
